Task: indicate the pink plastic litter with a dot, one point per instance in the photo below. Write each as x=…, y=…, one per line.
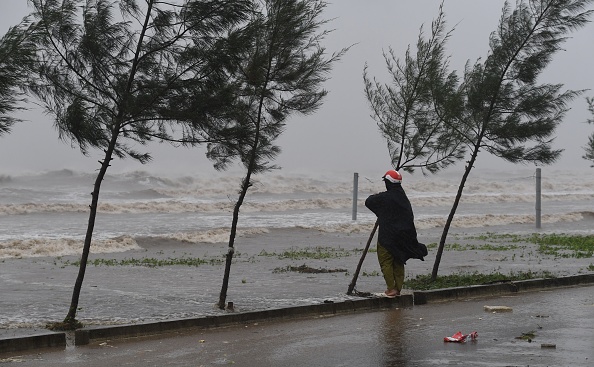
x=461, y=338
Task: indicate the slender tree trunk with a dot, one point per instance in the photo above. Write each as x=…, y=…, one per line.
x=446, y=228
x=229, y=257
x=71, y=317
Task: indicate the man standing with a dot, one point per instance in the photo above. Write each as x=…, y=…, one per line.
x=397, y=238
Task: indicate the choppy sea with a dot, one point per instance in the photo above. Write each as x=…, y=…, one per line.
x=46, y=214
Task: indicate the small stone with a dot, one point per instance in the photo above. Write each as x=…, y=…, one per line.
x=498, y=309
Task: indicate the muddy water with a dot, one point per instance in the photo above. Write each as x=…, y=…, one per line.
x=34, y=291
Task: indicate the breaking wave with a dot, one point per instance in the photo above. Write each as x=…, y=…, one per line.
x=41, y=247
x=180, y=206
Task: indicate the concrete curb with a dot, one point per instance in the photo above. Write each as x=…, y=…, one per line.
x=450, y=294
x=37, y=341
x=86, y=335
x=92, y=334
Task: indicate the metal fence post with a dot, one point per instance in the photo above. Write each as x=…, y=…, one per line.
x=355, y=190
x=538, y=195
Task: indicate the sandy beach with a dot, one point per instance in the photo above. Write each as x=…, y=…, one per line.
x=168, y=279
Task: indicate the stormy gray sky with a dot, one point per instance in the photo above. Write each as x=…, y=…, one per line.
x=341, y=136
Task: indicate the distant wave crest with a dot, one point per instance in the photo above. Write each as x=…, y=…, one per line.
x=183, y=206
x=41, y=247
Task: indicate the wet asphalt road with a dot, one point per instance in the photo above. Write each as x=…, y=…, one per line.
x=396, y=337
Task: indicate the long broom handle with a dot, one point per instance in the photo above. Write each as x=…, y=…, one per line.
x=356, y=275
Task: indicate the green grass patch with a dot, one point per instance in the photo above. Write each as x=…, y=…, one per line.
x=558, y=245
x=306, y=269
x=473, y=247
x=317, y=253
x=424, y=282
x=566, y=246
x=490, y=236
x=149, y=262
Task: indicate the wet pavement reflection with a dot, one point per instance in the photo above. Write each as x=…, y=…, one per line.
x=395, y=337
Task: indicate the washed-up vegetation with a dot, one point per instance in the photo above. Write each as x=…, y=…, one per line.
x=317, y=253
x=557, y=245
x=424, y=282
x=467, y=247
x=150, y=262
x=565, y=245
x=307, y=269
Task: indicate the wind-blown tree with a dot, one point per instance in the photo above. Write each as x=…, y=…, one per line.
x=507, y=112
x=16, y=53
x=280, y=73
x=589, y=148
x=416, y=113
x=114, y=74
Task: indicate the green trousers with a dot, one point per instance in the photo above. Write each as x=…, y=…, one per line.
x=392, y=270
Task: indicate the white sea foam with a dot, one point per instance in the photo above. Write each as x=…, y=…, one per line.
x=460, y=221
x=63, y=246
x=218, y=235
x=268, y=205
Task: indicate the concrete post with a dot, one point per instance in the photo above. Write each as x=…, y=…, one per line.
x=538, y=195
x=355, y=190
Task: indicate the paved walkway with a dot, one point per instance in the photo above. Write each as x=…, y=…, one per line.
x=563, y=317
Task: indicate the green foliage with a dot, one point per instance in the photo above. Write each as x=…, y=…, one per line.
x=114, y=76
x=16, y=54
x=281, y=68
x=508, y=113
x=417, y=112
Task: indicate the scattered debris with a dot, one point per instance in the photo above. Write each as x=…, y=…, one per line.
x=498, y=309
x=547, y=345
x=12, y=359
x=461, y=338
x=527, y=336
x=308, y=269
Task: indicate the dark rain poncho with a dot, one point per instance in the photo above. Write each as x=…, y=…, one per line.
x=397, y=232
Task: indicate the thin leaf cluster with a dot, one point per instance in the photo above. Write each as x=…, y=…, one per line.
x=507, y=111
x=16, y=53
x=107, y=71
x=417, y=112
x=280, y=69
